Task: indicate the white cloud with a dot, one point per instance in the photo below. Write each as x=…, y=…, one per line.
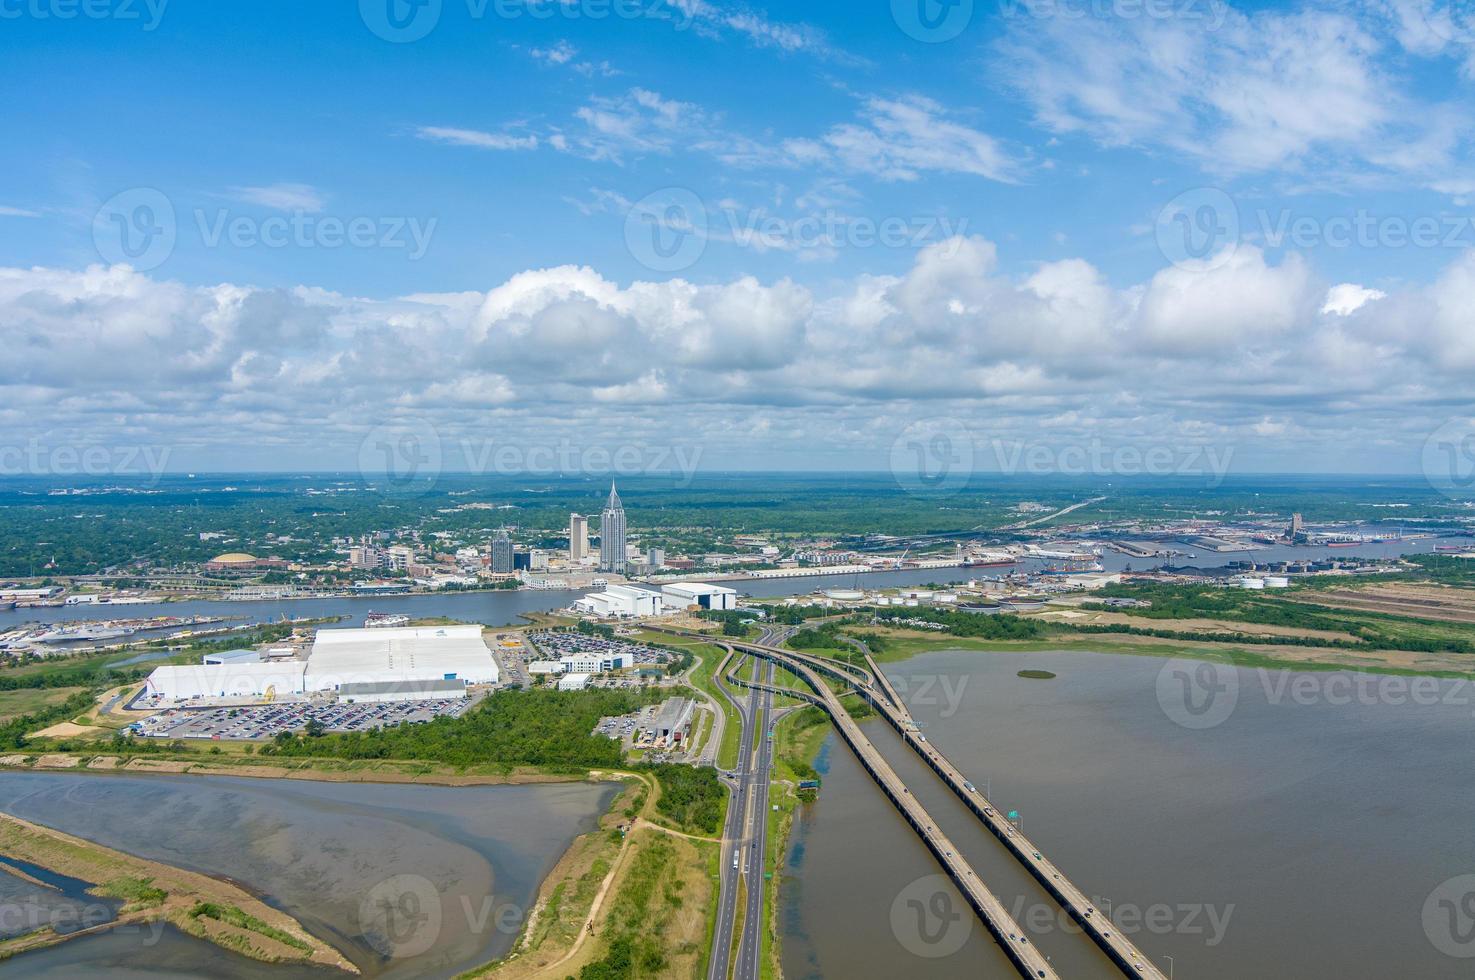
x=1307, y=90
x=1238, y=351
x=7, y=211
x=282, y=197
x=1347, y=298
x=454, y=136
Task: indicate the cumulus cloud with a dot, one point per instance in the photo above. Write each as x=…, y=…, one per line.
x=1236, y=349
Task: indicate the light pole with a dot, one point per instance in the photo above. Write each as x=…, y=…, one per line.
x=1170, y=965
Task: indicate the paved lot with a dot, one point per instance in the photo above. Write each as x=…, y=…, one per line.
x=558, y=644
x=267, y=721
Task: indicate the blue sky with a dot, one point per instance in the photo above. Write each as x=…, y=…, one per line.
x=1144, y=221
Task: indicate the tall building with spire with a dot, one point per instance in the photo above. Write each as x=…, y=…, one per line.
x=612, y=534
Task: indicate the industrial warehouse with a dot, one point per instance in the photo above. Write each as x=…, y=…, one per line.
x=377, y=664
x=630, y=602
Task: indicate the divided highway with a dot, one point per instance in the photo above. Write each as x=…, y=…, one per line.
x=876, y=688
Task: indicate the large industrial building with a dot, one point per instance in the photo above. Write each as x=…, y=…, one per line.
x=622, y=602
x=363, y=663
x=683, y=595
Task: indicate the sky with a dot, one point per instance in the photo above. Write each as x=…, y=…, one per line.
x=1105, y=236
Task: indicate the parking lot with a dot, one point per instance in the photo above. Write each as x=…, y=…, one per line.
x=267, y=721
x=555, y=645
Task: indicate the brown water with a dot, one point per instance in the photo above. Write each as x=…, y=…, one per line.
x=1307, y=834
x=407, y=881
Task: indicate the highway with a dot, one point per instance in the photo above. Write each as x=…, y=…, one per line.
x=874, y=686
x=990, y=910
x=754, y=849
x=745, y=836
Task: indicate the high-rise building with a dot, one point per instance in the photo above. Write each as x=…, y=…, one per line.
x=578, y=537
x=1297, y=528
x=612, y=534
x=502, y=554
x=656, y=558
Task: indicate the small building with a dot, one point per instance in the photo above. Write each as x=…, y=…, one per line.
x=596, y=664
x=573, y=682
x=538, y=667
x=672, y=722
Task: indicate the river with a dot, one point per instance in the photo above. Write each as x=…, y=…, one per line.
x=407, y=881
x=1308, y=824
x=505, y=608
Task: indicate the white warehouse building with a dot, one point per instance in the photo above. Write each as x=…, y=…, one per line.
x=372, y=664
x=185, y=682
x=622, y=601
x=411, y=653
x=682, y=595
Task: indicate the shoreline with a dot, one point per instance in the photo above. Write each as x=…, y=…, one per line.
x=209, y=908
